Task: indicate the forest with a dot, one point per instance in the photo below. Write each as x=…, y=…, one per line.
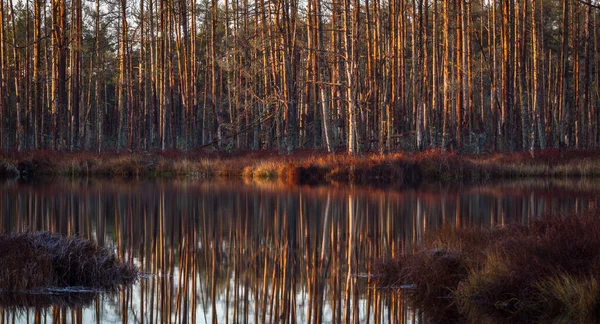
x=352, y=76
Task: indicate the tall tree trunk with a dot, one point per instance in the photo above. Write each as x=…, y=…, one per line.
x=59, y=59
x=416, y=96
x=37, y=93
x=523, y=87
x=565, y=97
x=538, y=102
x=98, y=102
x=290, y=66
x=351, y=25
x=324, y=81
x=3, y=63
x=79, y=121
x=460, y=69
x=18, y=83
x=122, y=96
x=4, y=77
x=216, y=111
x=446, y=76
x=587, y=79
x=507, y=74
x=435, y=125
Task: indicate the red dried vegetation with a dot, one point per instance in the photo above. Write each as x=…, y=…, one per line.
x=307, y=167
x=544, y=271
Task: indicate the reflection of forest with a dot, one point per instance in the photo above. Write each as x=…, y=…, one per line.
x=267, y=252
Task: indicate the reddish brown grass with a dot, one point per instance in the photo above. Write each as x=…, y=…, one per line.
x=308, y=167
x=541, y=271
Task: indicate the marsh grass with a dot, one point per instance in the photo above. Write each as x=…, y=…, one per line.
x=307, y=167
x=541, y=271
x=40, y=260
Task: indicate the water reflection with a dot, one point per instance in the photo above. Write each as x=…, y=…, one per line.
x=238, y=253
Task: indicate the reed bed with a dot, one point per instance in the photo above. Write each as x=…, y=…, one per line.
x=543, y=271
x=307, y=167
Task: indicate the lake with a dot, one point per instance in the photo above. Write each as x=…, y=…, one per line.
x=235, y=252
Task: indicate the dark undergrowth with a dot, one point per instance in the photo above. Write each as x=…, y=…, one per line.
x=33, y=262
x=306, y=167
x=547, y=271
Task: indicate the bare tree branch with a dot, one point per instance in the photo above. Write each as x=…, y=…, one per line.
x=589, y=3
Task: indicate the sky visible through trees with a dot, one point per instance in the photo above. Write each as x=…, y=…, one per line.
x=341, y=75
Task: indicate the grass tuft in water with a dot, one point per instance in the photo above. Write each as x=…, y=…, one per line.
x=40, y=260
x=543, y=271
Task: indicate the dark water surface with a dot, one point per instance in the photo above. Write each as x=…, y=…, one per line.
x=231, y=252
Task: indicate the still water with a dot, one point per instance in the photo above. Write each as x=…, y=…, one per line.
x=234, y=252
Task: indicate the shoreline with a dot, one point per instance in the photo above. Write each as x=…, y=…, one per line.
x=306, y=167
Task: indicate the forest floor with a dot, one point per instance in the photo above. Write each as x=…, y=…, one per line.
x=546, y=271
x=306, y=167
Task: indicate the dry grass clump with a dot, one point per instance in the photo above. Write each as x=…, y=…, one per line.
x=40, y=260
x=126, y=166
x=8, y=170
x=25, y=265
x=37, y=166
x=542, y=271
x=568, y=297
x=268, y=169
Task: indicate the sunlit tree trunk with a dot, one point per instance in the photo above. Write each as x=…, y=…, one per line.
x=471, y=121
x=507, y=107
x=193, y=89
x=37, y=92
x=496, y=124
x=458, y=74
x=416, y=81
x=323, y=85
x=435, y=125
x=351, y=34
x=122, y=94
x=446, y=76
